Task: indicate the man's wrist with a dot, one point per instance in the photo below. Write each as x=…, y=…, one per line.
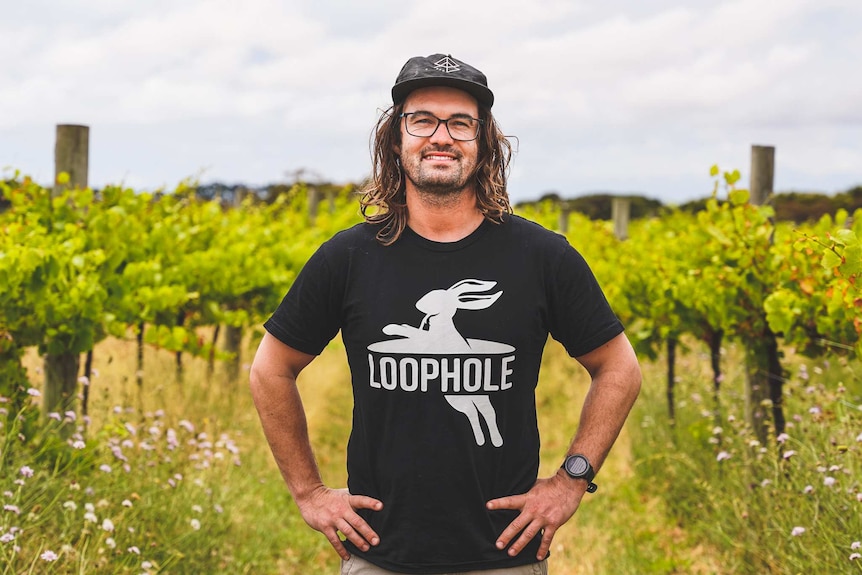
x=305, y=491
x=578, y=467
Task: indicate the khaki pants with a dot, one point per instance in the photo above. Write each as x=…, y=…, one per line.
x=358, y=566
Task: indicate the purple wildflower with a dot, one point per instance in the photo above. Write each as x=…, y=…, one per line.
x=48, y=556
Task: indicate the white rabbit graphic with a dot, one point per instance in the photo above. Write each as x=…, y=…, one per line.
x=438, y=335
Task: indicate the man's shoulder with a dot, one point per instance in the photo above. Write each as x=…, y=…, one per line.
x=358, y=235
x=528, y=229
x=522, y=223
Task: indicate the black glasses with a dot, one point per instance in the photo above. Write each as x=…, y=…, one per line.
x=423, y=125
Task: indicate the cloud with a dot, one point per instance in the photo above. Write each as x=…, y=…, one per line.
x=623, y=93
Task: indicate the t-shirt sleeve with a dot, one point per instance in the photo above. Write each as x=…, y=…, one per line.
x=308, y=317
x=580, y=316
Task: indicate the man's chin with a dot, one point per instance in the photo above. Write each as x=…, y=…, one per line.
x=442, y=185
x=440, y=189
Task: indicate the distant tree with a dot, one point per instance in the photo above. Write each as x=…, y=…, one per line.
x=797, y=206
x=802, y=206
x=553, y=196
x=851, y=200
x=229, y=194
x=594, y=206
x=694, y=206
x=274, y=191
x=598, y=206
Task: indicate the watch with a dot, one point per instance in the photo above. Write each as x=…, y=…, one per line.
x=577, y=466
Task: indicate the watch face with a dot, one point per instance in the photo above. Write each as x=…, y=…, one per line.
x=576, y=466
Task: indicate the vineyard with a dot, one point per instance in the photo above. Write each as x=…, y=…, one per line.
x=732, y=272
x=173, y=273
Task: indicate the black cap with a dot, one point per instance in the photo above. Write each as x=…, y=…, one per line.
x=441, y=70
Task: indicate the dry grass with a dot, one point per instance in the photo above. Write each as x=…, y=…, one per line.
x=617, y=530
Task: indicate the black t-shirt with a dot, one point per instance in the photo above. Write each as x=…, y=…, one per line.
x=444, y=342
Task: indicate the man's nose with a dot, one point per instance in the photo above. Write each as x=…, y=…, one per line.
x=441, y=134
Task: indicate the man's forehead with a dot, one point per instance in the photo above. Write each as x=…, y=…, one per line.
x=442, y=97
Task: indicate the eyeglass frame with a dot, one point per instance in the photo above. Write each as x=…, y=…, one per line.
x=403, y=115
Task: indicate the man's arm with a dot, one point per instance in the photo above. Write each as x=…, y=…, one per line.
x=616, y=380
x=273, y=387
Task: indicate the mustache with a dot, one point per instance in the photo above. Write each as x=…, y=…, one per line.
x=445, y=149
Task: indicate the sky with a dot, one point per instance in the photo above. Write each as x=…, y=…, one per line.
x=620, y=96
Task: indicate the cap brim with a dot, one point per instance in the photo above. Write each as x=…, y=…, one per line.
x=482, y=94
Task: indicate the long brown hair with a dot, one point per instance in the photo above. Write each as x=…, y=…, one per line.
x=384, y=194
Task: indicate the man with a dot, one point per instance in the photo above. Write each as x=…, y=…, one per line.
x=444, y=300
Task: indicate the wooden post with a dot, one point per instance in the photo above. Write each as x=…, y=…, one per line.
x=240, y=195
x=563, y=224
x=762, y=174
x=314, y=195
x=331, y=197
x=764, y=373
x=620, y=213
x=61, y=382
x=71, y=155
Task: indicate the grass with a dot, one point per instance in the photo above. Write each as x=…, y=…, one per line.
x=215, y=503
x=790, y=506
x=622, y=528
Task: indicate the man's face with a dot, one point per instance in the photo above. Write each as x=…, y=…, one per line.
x=438, y=165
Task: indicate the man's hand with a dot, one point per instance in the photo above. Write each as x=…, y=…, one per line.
x=332, y=510
x=544, y=508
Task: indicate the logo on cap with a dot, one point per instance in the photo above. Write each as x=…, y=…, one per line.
x=447, y=64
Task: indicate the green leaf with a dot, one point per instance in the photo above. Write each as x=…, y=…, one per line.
x=716, y=232
x=845, y=237
x=732, y=177
x=738, y=197
x=780, y=313
x=830, y=260
x=852, y=260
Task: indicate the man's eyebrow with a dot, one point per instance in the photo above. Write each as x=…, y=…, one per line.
x=457, y=115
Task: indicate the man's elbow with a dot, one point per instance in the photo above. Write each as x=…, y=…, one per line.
x=635, y=380
x=257, y=381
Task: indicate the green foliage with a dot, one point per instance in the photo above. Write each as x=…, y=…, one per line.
x=727, y=269
x=817, y=303
x=81, y=265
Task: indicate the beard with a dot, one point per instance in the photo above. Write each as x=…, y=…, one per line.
x=438, y=181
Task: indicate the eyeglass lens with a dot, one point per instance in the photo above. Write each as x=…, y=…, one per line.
x=423, y=125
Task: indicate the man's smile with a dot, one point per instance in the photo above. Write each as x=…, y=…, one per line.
x=439, y=156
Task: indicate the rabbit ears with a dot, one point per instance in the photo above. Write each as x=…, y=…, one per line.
x=465, y=291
